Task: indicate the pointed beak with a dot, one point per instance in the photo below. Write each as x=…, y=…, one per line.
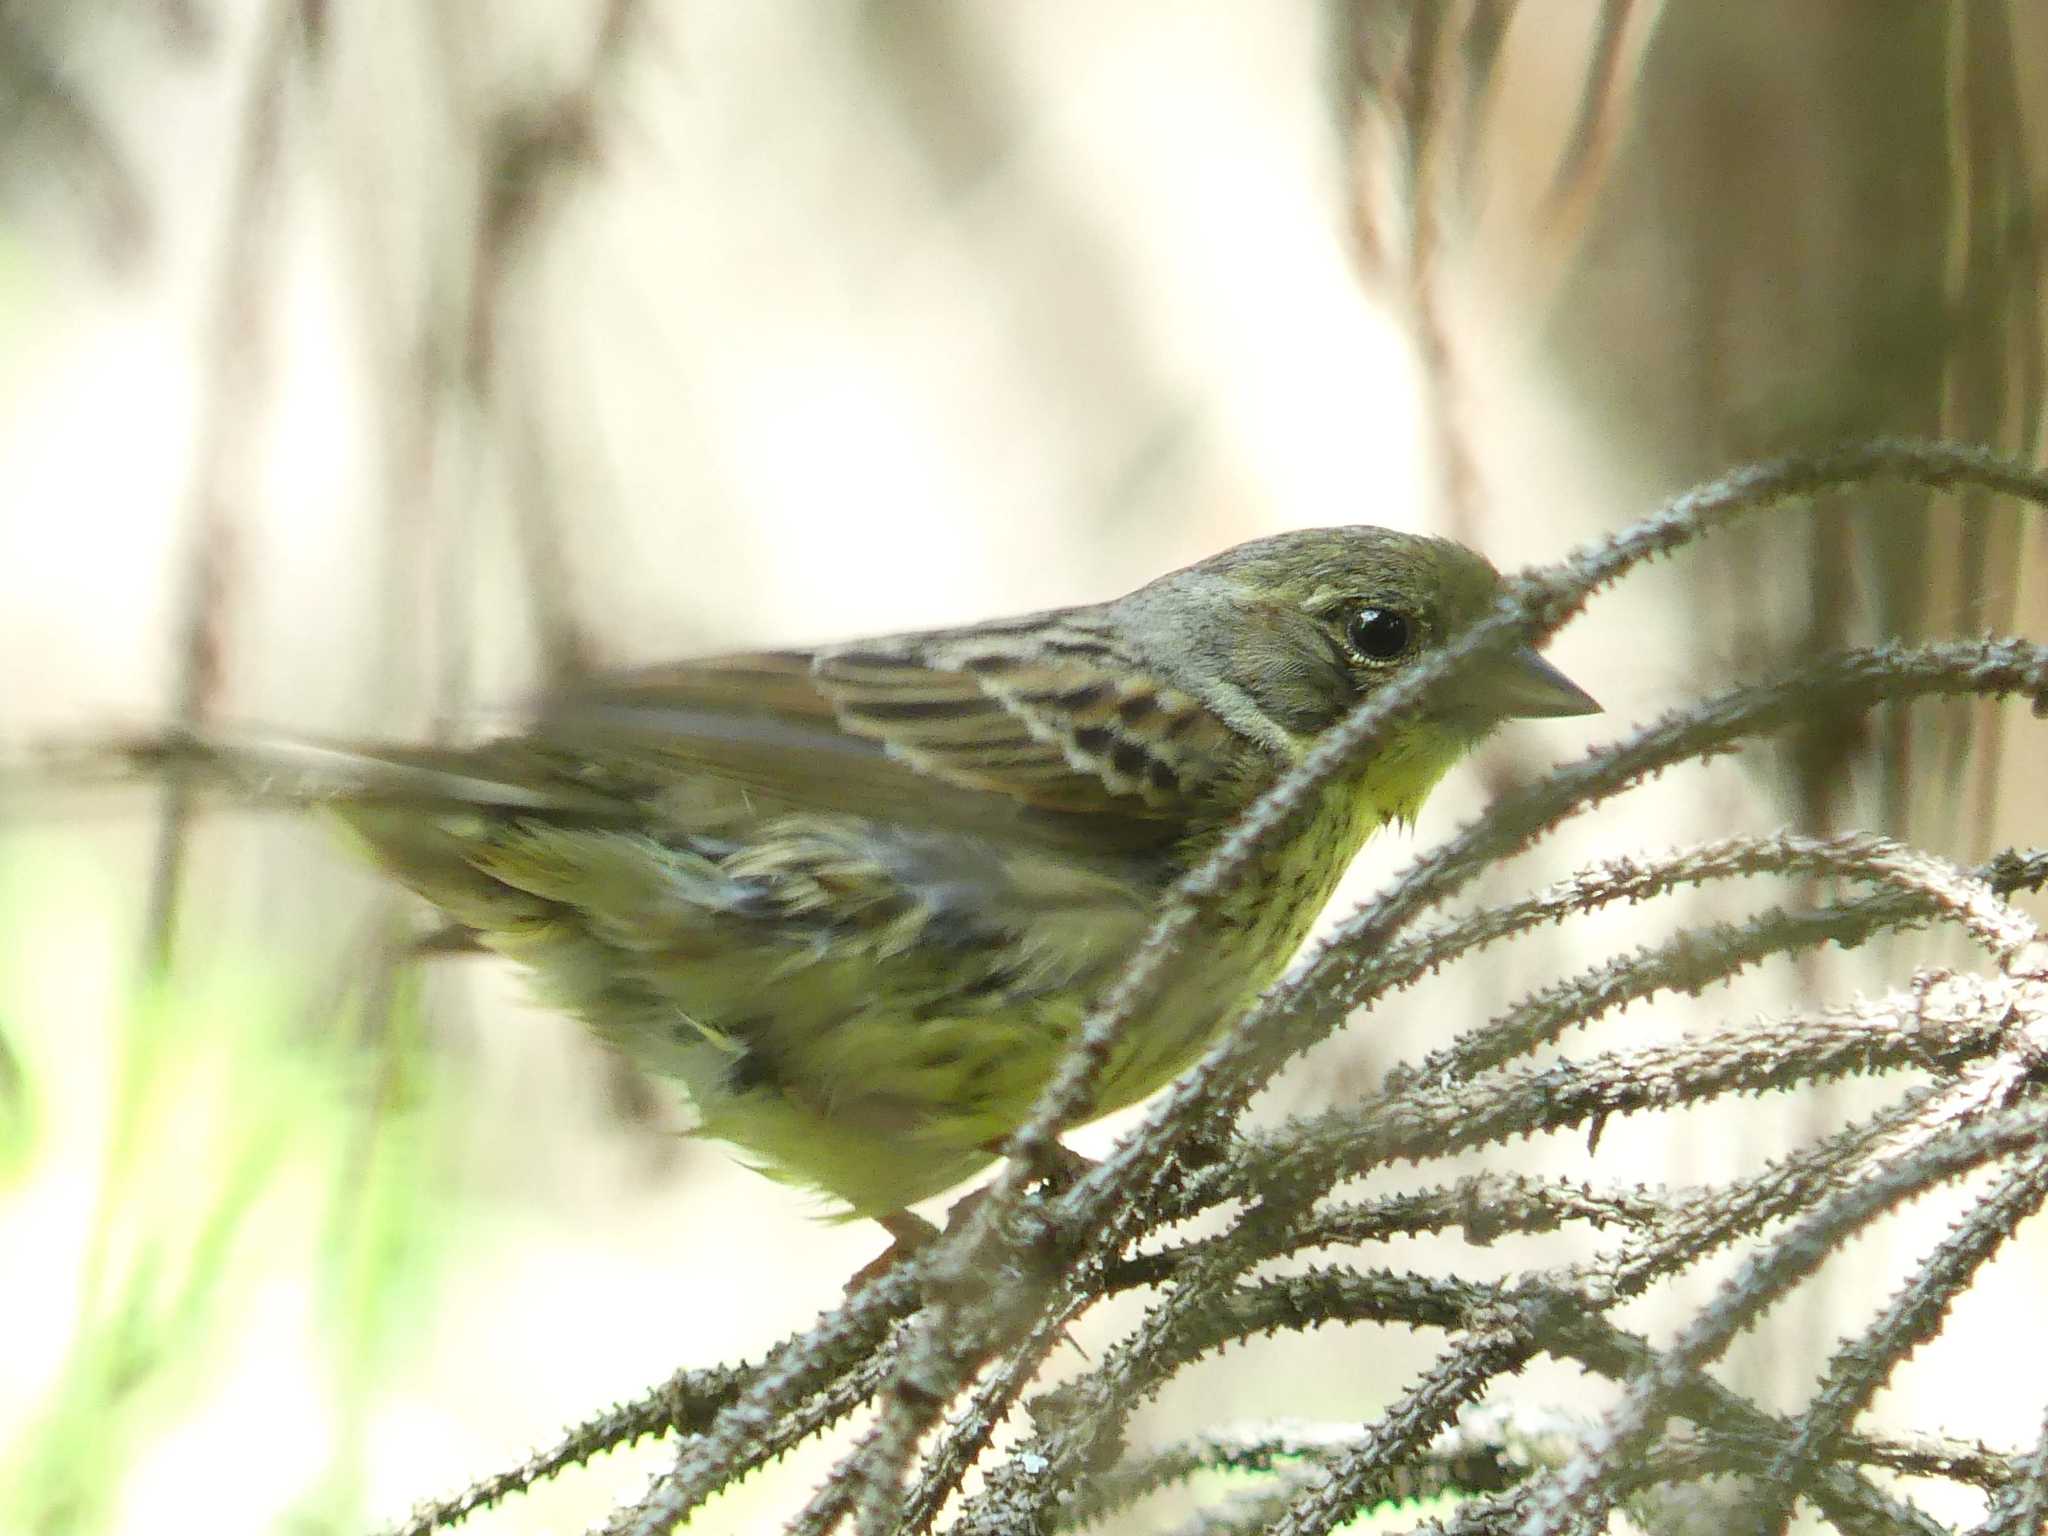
x=1523, y=686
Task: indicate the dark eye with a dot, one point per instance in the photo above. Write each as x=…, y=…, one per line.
x=1378, y=634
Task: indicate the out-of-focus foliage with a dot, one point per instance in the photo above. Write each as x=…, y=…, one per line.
x=238, y=1155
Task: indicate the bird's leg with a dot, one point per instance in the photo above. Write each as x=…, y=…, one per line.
x=909, y=1233
x=1059, y=1170
x=448, y=939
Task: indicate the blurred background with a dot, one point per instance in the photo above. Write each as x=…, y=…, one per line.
x=365, y=369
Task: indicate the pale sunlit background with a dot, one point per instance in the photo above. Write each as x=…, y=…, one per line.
x=364, y=367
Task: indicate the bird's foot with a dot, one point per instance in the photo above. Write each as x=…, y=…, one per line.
x=1059, y=1168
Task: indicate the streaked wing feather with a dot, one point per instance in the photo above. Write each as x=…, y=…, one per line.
x=1055, y=713
x=1047, y=718
x=735, y=738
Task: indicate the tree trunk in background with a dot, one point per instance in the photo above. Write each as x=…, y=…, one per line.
x=1737, y=230
x=1816, y=228
x=1740, y=230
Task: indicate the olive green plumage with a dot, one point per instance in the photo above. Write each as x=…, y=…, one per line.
x=857, y=898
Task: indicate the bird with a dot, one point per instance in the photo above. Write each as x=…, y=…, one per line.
x=856, y=899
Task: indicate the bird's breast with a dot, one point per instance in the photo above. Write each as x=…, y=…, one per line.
x=1277, y=900
x=1259, y=923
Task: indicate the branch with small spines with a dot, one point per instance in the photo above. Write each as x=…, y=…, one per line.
x=991, y=1283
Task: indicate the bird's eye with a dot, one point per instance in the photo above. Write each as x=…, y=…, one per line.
x=1378, y=634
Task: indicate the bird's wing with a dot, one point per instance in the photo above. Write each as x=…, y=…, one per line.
x=1059, y=722
x=1061, y=741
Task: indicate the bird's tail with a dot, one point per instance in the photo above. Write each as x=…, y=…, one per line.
x=421, y=812
x=268, y=768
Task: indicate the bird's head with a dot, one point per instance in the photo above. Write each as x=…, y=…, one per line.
x=1284, y=636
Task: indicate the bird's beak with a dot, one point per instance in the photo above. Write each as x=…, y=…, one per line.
x=1523, y=686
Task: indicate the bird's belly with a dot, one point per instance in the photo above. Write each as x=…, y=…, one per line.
x=891, y=1108
x=879, y=1100
x=884, y=1084
x=889, y=1111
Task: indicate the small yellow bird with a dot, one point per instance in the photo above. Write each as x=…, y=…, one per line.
x=856, y=899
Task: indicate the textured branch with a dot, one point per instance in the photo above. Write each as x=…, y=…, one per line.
x=1950, y=1026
